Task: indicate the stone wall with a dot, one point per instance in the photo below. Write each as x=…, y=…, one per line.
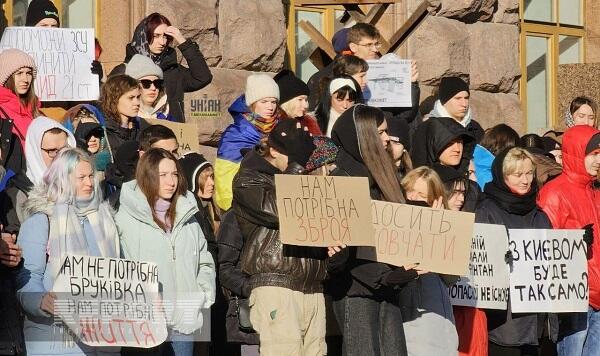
x=477, y=40
x=576, y=80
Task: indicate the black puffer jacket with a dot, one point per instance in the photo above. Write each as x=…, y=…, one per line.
x=501, y=206
x=264, y=257
x=178, y=79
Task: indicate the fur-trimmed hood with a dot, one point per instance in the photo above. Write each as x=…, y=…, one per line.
x=38, y=202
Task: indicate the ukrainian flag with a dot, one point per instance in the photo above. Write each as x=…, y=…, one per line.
x=237, y=136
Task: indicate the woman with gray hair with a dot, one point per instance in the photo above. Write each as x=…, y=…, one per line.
x=65, y=214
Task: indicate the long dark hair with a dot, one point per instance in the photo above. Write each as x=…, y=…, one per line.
x=374, y=155
x=112, y=90
x=29, y=100
x=498, y=138
x=148, y=180
x=324, y=105
x=152, y=22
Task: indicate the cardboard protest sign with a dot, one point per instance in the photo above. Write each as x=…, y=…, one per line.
x=439, y=240
x=324, y=211
x=389, y=82
x=187, y=134
x=63, y=58
x=549, y=271
x=110, y=301
x=486, y=283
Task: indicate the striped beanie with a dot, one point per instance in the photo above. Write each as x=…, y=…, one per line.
x=11, y=60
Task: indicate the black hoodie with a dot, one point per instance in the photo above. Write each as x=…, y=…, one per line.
x=178, y=79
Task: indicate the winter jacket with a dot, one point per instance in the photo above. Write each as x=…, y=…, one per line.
x=482, y=158
x=467, y=122
x=178, y=79
x=264, y=257
x=116, y=135
x=14, y=110
x=241, y=134
x=186, y=270
x=546, y=168
x=571, y=203
x=502, y=207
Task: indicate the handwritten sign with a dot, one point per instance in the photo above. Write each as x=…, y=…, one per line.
x=110, y=301
x=389, y=82
x=486, y=283
x=439, y=240
x=324, y=211
x=549, y=271
x=187, y=134
x=63, y=58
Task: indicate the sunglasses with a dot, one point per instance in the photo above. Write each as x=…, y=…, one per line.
x=146, y=83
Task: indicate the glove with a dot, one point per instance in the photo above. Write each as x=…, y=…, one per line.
x=588, y=235
x=97, y=69
x=294, y=168
x=508, y=257
x=400, y=276
x=304, y=147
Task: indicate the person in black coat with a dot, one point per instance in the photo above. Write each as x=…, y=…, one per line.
x=152, y=38
x=510, y=200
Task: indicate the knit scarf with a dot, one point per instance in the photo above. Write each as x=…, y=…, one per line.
x=264, y=125
x=67, y=235
x=569, y=120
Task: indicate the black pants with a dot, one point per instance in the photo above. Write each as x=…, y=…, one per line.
x=370, y=327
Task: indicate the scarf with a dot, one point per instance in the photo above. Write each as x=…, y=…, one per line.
x=501, y=193
x=160, y=208
x=264, y=125
x=569, y=121
x=67, y=235
x=440, y=111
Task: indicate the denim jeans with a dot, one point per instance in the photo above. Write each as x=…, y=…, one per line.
x=370, y=327
x=579, y=334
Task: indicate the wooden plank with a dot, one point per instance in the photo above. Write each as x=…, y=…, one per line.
x=317, y=37
x=406, y=29
x=375, y=13
x=355, y=12
x=344, y=2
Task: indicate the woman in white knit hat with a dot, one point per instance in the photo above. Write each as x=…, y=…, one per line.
x=153, y=98
x=254, y=116
x=18, y=101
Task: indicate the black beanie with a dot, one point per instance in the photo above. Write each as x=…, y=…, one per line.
x=593, y=144
x=450, y=86
x=193, y=164
x=290, y=86
x=399, y=131
x=292, y=141
x=39, y=10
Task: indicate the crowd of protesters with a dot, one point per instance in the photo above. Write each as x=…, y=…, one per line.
x=102, y=181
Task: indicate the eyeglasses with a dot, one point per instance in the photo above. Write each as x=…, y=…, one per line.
x=146, y=83
x=375, y=45
x=52, y=152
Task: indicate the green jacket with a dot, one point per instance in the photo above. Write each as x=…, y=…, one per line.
x=186, y=270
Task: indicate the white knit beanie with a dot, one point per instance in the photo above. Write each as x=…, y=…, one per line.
x=141, y=66
x=11, y=60
x=260, y=86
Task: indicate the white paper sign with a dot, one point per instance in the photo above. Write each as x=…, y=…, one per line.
x=486, y=284
x=110, y=301
x=388, y=82
x=549, y=272
x=63, y=57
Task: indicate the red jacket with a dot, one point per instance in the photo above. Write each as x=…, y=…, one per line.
x=571, y=203
x=21, y=115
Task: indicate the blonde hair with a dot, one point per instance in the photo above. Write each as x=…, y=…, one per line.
x=290, y=107
x=514, y=157
x=435, y=187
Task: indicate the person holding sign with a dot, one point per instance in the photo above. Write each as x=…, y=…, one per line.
x=153, y=99
x=287, y=306
x=152, y=38
x=571, y=203
x=156, y=223
x=65, y=215
x=510, y=200
x=365, y=293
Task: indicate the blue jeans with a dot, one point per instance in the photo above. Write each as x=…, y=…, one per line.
x=179, y=345
x=579, y=334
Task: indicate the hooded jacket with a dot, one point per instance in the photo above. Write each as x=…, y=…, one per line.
x=241, y=134
x=14, y=110
x=502, y=207
x=483, y=159
x=571, y=203
x=467, y=122
x=178, y=79
x=35, y=163
x=186, y=268
x=264, y=258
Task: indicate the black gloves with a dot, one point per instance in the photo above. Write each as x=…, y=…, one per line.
x=400, y=276
x=97, y=69
x=508, y=257
x=294, y=168
x=588, y=235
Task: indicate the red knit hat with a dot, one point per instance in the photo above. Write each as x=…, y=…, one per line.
x=11, y=60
